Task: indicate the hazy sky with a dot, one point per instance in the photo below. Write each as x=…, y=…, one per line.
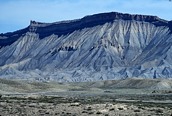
x=16, y=14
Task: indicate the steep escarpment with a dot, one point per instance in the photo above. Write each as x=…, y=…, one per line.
x=98, y=47
x=66, y=27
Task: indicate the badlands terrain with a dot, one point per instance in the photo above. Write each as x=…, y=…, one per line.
x=103, y=46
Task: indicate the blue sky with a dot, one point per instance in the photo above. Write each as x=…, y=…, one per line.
x=16, y=14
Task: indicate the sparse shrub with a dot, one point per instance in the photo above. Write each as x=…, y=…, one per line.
x=106, y=114
x=154, y=91
x=108, y=91
x=68, y=113
x=169, y=91
x=137, y=110
x=84, y=111
x=89, y=108
x=140, y=107
x=99, y=112
x=111, y=109
x=31, y=98
x=47, y=113
x=56, y=113
x=91, y=113
x=159, y=111
x=7, y=101
x=120, y=108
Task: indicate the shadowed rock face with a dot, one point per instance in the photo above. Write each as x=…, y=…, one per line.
x=91, y=21
x=97, y=47
x=11, y=37
x=170, y=25
x=66, y=27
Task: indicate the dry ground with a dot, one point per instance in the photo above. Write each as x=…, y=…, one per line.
x=104, y=98
x=60, y=106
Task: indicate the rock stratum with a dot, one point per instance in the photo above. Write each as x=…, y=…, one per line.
x=103, y=46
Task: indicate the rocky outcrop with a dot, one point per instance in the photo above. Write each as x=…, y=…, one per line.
x=67, y=27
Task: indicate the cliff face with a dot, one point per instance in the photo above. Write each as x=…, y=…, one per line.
x=66, y=27
x=170, y=25
x=98, y=47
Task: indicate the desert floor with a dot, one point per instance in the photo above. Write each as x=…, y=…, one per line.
x=109, y=98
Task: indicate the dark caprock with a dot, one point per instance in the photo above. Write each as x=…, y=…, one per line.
x=66, y=27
